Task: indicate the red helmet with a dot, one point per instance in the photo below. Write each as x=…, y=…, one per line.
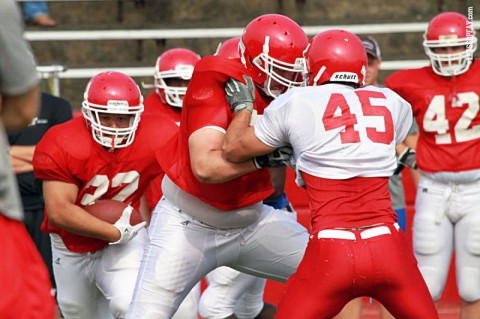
x=336, y=56
x=174, y=63
x=450, y=29
x=271, y=48
x=229, y=48
x=113, y=93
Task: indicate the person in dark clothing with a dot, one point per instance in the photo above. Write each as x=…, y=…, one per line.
x=53, y=111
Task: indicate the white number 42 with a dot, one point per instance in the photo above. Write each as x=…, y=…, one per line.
x=436, y=121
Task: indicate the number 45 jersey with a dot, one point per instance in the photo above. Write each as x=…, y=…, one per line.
x=68, y=153
x=447, y=112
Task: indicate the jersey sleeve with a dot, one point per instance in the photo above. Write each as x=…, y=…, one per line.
x=270, y=128
x=403, y=117
x=50, y=161
x=205, y=103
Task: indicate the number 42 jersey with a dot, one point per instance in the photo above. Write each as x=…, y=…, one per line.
x=448, y=116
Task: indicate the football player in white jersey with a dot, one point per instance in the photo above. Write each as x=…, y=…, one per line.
x=445, y=103
x=343, y=139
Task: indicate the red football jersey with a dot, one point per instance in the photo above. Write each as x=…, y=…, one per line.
x=205, y=105
x=68, y=153
x=154, y=105
x=447, y=112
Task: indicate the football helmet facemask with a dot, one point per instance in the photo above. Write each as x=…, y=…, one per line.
x=178, y=64
x=336, y=56
x=450, y=29
x=271, y=48
x=112, y=93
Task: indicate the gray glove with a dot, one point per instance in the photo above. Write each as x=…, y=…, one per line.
x=240, y=96
x=407, y=158
x=274, y=159
x=127, y=231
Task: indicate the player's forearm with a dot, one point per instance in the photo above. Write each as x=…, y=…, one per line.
x=23, y=152
x=20, y=166
x=215, y=169
x=238, y=135
x=60, y=198
x=74, y=219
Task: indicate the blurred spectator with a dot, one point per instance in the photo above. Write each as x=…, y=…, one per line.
x=22, y=272
x=36, y=13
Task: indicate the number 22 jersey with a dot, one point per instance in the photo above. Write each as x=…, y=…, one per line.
x=69, y=154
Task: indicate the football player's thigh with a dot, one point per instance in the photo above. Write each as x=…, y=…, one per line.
x=180, y=252
x=432, y=235
x=117, y=272
x=274, y=246
x=467, y=246
x=321, y=286
x=395, y=269
x=76, y=291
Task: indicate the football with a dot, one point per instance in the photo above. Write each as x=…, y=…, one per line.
x=110, y=211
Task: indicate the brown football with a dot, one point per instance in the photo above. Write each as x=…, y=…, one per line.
x=110, y=211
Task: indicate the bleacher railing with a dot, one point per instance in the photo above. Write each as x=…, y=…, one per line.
x=56, y=72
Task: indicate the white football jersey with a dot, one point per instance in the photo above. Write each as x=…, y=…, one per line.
x=338, y=132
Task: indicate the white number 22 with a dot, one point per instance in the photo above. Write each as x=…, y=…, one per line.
x=436, y=121
x=102, y=183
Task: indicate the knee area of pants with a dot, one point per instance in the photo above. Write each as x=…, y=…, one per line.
x=473, y=240
x=69, y=308
x=427, y=241
x=468, y=284
x=434, y=281
x=210, y=307
x=119, y=306
x=248, y=310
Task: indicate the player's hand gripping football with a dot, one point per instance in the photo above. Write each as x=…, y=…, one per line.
x=240, y=96
x=127, y=231
x=274, y=159
x=407, y=158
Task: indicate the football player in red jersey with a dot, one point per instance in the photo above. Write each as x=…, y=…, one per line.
x=173, y=71
x=445, y=103
x=231, y=292
x=107, y=154
x=212, y=213
x=343, y=138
